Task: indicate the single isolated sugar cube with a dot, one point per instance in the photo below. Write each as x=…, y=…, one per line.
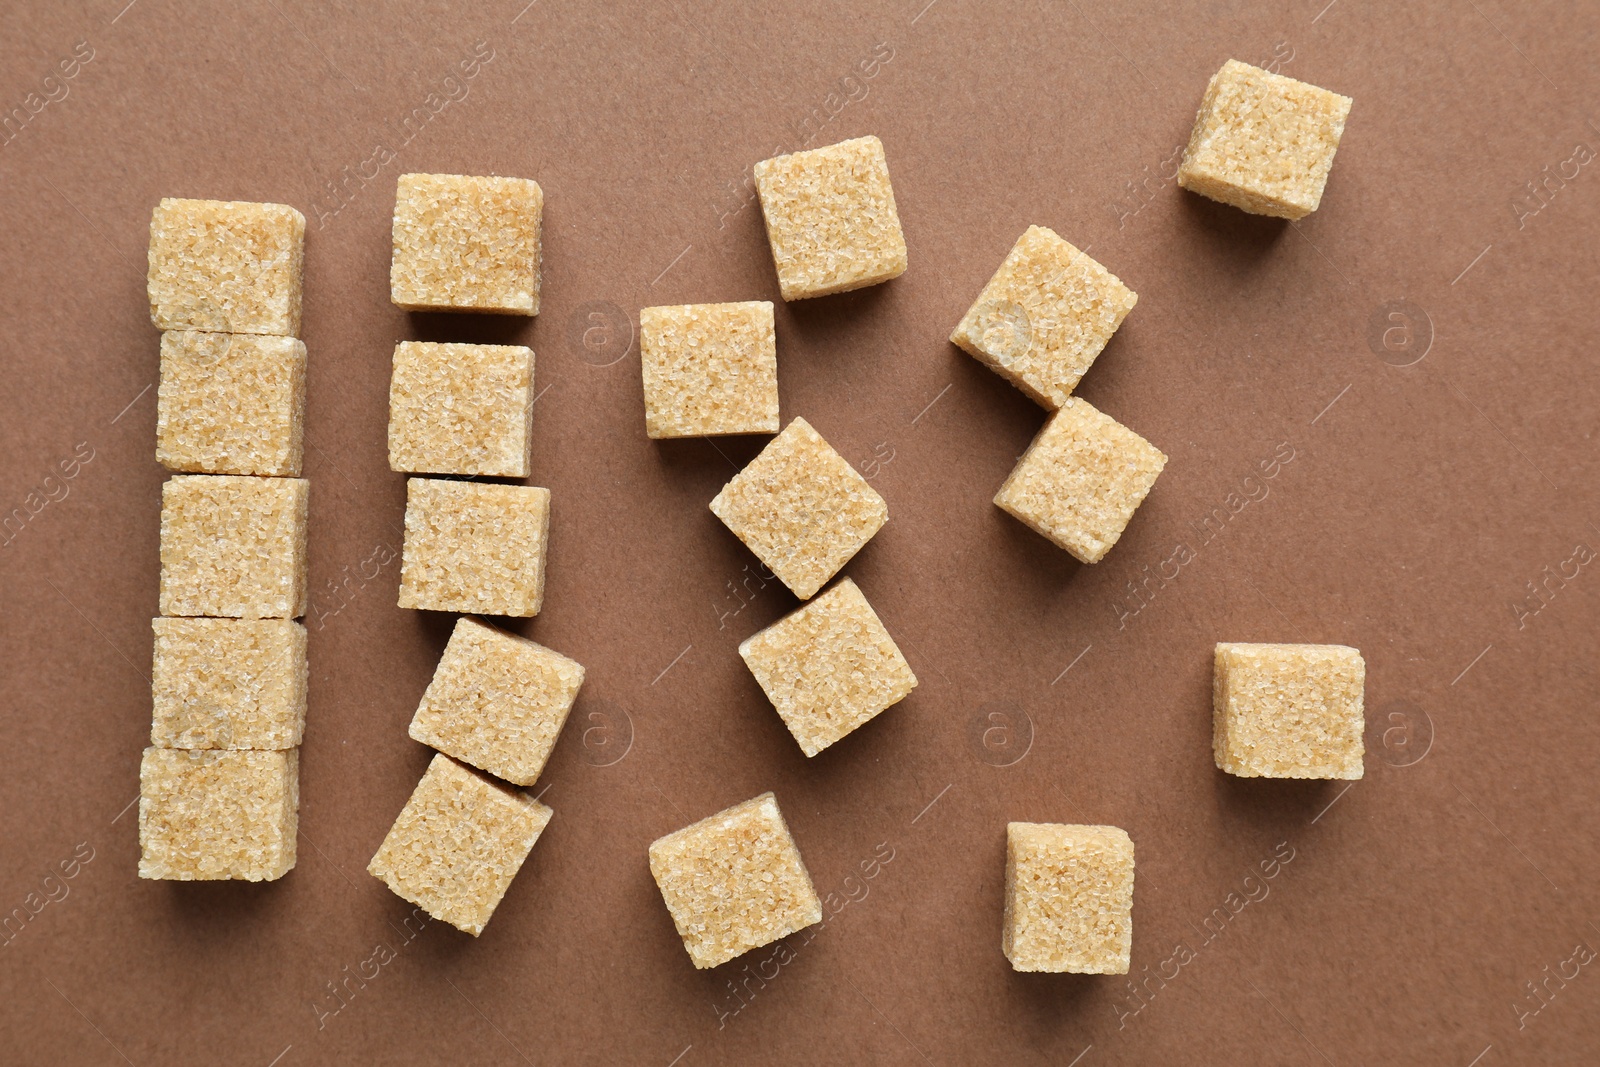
x=1263, y=142
x=218, y=814
x=734, y=882
x=831, y=218
x=1081, y=480
x=226, y=266
x=474, y=547
x=828, y=667
x=497, y=701
x=457, y=844
x=231, y=403
x=1288, y=711
x=461, y=409
x=233, y=546
x=466, y=244
x=801, y=508
x=1069, y=898
x=1044, y=316
x=228, y=683
x=709, y=369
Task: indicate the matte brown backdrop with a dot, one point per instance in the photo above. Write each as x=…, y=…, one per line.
x=1416, y=505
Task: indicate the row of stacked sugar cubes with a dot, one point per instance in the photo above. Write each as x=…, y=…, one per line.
x=219, y=784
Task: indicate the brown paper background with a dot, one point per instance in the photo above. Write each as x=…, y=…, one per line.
x=1417, y=903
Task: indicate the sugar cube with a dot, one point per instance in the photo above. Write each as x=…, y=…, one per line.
x=231, y=403
x=234, y=546
x=218, y=814
x=228, y=683
x=461, y=409
x=1069, y=898
x=226, y=266
x=474, y=547
x=1288, y=711
x=466, y=244
x=709, y=369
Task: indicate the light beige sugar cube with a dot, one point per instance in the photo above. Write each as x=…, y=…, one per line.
x=233, y=546
x=1081, y=480
x=709, y=369
x=1288, y=711
x=497, y=701
x=466, y=243
x=461, y=409
x=228, y=683
x=828, y=667
x=734, y=882
x=1263, y=142
x=218, y=814
x=231, y=403
x=801, y=508
x=474, y=547
x=226, y=266
x=457, y=844
x=1069, y=898
x=1044, y=316
x=831, y=218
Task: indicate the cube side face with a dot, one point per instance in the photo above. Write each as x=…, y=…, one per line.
x=474, y=547
x=1069, y=898
x=231, y=403
x=230, y=267
x=1044, y=316
x=734, y=882
x=217, y=814
x=801, y=508
x=460, y=409
x=1288, y=711
x=1081, y=480
x=829, y=667
x=497, y=702
x=233, y=547
x=228, y=684
x=463, y=243
x=831, y=218
x=709, y=369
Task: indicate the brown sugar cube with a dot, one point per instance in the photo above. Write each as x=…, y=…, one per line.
x=228, y=683
x=1288, y=711
x=1044, y=316
x=497, y=701
x=218, y=814
x=831, y=218
x=828, y=667
x=734, y=882
x=709, y=369
x=1081, y=480
x=226, y=266
x=801, y=508
x=1069, y=898
x=1263, y=142
x=234, y=547
x=474, y=547
x=461, y=409
x=466, y=244
x=231, y=403
x=457, y=844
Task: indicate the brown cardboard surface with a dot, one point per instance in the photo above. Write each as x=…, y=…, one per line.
x=1421, y=486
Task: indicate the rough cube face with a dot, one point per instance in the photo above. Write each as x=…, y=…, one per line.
x=1262, y=142
x=474, y=547
x=226, y=266
x=831, y=218
x=457, y=844
x=461, y=409
x=1069, y=898
x=228, y=683
x=1044, y=316
x=829, y=667
x=709, y=369
x=218, y=814
x=466, y=244
x=231, y=403
x=801, y=508
x=1081, y=480
x=497, y=701
x=1288, y=711
x=734, y=882
x=234, y=547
